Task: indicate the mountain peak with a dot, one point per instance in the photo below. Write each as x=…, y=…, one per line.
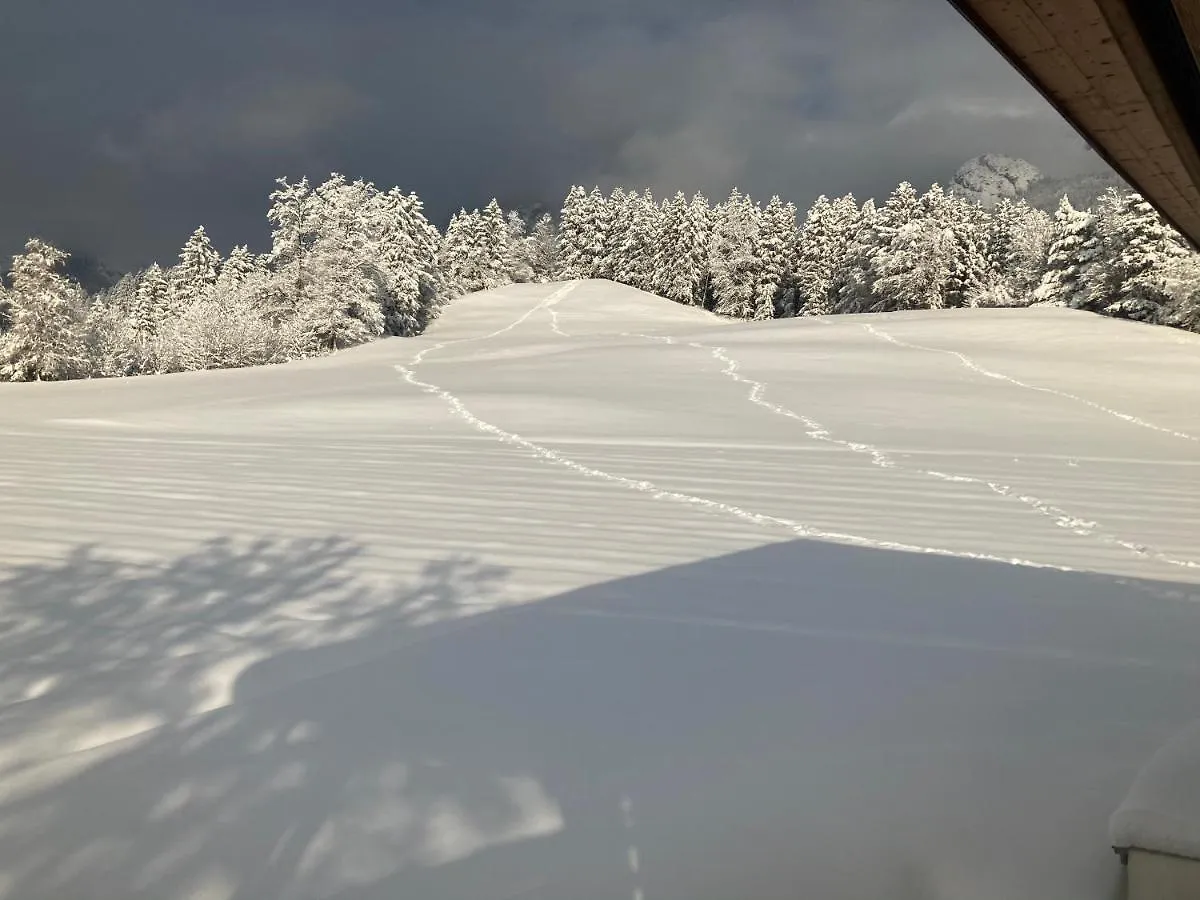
x=991, y=177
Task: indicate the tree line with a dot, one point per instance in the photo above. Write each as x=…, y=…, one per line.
x=350, y=262
x=933, y=250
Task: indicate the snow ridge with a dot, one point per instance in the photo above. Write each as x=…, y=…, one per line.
x=999, y=376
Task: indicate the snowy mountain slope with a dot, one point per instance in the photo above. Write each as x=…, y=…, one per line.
x=589, y=594
x=988, y=178
x=1084, y=191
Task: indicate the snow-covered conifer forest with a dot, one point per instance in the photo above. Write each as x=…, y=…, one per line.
x=350, y=262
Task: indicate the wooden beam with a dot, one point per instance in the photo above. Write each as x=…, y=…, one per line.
x=1129, y=96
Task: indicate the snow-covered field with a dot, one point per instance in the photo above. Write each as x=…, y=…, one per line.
x=588, y=595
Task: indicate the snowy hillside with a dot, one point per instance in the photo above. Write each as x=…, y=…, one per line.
x=587, y=594
x=1084, y=191
x=992, y=177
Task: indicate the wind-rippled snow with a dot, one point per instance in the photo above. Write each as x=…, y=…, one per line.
x=587, y=594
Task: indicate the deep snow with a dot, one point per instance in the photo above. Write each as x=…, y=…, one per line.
x=586, y=594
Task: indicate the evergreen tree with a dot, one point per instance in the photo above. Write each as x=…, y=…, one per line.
x=900, y=209
x=292, y=214
x=518, y=247
x=459, y=256
x=196, y=274
x=1137, y=243
x=342, y=305
x=492, y=246
x=574, y=247
x=151, y=303
x=733, y=256
x=998, y=236
x=617, y=220
x=6, y=309
x=822, y=253
x=681, y=253
x=937, y=207
x=1030, y=239
x=914, y=269
x=635, y=255
x=406, y=251
x=543, y=260
x=45, y=341
x=240, y=265
x=814, y=260
x=1073, y=252
x=854, y=280
x=776, y=245
x=968, y=267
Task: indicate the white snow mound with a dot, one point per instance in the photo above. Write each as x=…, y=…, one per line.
x=1161, y=813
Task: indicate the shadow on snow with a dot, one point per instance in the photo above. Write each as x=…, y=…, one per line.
x=802, y=719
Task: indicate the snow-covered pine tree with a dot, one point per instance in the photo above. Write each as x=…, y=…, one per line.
x=680, y=251
x=617, y=222
x=666, y=250
x=196, y=273
x=407, y=253
x=822, y=249
x=1181, y=284
x=901, y=207
x=1031, y=234
x=899, y=263
x=968, y=267
x=573, y=246
x=997, y=236
x=342, y=303
x=456, y=256
x=814, y=260
x=733, y=256
x=6, y=308
x=518, y=248
x=914, y=268
x=700, y=223
x=936, y=206
x=1137, y=245
x=493, y=246
x=45, y=341
x=239, y=266
x=854, y=280
x=777, y=240
x=151, y=303
x=474, y=253
x=292, y=215
x=1073, y=252
x=543, y=242
x=636, y=252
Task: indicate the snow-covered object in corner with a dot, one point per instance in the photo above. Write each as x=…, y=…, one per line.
x=1161, y=813
x=990, y=177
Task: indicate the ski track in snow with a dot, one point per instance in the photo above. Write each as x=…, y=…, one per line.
x=1000, y=376
x=643, y=486
x=818, y=432
x=555, y=325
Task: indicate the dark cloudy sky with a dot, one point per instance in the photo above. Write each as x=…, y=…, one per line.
x=128, y=122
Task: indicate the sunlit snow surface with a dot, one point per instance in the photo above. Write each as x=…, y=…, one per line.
x=585, y=594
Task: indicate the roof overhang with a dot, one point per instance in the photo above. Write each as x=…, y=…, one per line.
x=1125, y=74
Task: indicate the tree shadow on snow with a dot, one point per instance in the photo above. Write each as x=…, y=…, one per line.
x=802, y=719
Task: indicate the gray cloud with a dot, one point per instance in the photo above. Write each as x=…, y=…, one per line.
x=235, y=119
x=131, y=122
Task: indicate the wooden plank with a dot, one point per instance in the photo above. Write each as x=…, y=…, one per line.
x=1088, y=59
